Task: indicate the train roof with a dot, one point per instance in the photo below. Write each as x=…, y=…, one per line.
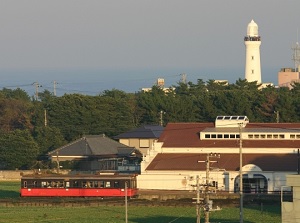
x=77, y=176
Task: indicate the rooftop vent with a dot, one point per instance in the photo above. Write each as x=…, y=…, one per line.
x=231, y=121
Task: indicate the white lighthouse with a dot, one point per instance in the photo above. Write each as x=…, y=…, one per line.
x=252, y=43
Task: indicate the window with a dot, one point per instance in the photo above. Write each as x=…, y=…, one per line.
x=213, y=136
x=25, y=184
x=220, y=136
x=275, y=136
x=298, y=136
x=269, y=136
x=292, y=136
x=101, y=184
x=232, y=136
x=256, y=136
x=281, y=136
x=144, y=143
x=252, y=71
x=252, y=57
x=116, y=184
x=250, y=136
x=226, y=136
x=263, y=136
x=207, y=136
x=107, y=184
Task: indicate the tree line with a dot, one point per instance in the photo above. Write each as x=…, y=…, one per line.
x=31, y=127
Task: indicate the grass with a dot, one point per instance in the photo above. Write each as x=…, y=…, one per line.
x=9, y=189
x=116, y=214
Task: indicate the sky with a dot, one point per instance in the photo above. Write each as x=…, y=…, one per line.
x=90, y=46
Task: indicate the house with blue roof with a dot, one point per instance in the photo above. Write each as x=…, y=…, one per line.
x=141, y=138
x=98, y=153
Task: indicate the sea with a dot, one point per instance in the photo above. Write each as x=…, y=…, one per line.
x=96, y=81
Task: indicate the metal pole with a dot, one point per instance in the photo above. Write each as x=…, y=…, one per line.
x=207, y=190
x=241, y=176
x=198, y=202
x=298, y=162
x=126, y=214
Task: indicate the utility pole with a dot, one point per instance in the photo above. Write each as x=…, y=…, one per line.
x=37, y=90
x=241, y=175
x=126, y=211
x=54, y=88
x=198, y=210
x=161, y=118
x=57, y=161
x=277, y=116
x=45, y=117
x=207, y=183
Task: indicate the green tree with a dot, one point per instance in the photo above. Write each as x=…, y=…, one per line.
x=18, y=150
x=48, y=139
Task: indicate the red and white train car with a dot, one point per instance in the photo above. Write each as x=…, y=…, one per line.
x=55, y=185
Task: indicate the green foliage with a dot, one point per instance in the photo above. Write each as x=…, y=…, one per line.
x=71, y=116
x=48, y=138
x=18, y=150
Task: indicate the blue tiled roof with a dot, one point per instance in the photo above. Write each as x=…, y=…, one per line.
x=92, y=145
x=144, y=132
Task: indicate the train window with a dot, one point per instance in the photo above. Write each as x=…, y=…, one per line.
x=101, y=183
x=84, y=184
x=60, y=184
x=116, y=184
x=90, y=184
x=34, y=184
x=96, y=184
x=75, y=183
x=25, y=184
x=107, y=184
x=67, y=184
x=44, y=184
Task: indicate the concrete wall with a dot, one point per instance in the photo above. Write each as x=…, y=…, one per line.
x=15, y=175
x=290, y=211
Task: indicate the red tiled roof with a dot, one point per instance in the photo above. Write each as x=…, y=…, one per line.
x=229, y=162
x=183, y=135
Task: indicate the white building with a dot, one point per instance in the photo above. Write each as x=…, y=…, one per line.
x=252, y=43
x=269, y=152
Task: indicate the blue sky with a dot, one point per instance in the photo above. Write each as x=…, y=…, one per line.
x=128, y=44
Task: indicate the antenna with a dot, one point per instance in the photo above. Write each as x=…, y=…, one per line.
x=54, y=88
x=183, y=78
x=296, y=54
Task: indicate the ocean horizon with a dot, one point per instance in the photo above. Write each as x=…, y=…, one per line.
x=95, y=81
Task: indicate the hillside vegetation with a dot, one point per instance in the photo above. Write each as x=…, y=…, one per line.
x=30, y=128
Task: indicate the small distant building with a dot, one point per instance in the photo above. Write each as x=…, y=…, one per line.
x=159, y=83
x=288, y=76
x=225, y=82
x=98, y=153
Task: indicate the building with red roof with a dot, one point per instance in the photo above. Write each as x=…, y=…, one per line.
x=269, y=152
